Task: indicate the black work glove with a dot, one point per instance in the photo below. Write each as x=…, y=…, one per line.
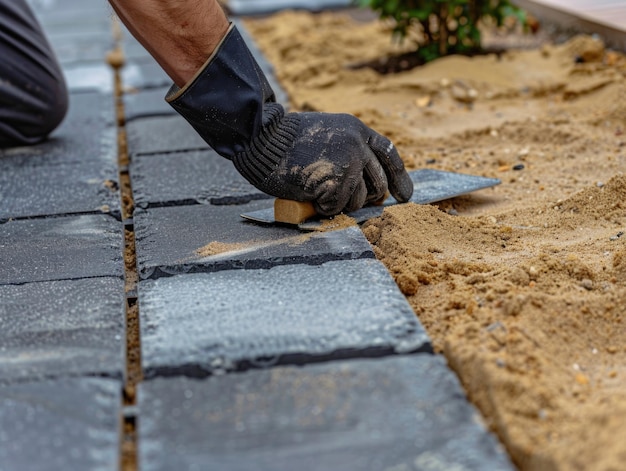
x=332, y=160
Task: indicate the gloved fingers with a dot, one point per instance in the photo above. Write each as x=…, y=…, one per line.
x=375, y=180
x=400, y=183
x=333, y=195
x=327, y=202
x=358, y=198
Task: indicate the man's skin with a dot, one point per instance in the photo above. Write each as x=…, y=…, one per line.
x=332, y=160
x=180, y=34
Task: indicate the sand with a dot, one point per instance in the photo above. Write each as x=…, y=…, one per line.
x=521, y=287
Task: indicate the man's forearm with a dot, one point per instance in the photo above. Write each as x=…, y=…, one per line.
x=179, y=34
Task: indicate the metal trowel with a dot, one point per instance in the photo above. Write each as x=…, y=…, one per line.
x=429, y=186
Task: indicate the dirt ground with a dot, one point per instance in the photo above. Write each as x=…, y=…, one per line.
x=522, y=287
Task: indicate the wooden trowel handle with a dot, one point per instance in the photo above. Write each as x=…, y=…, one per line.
x=293, y=212
x=296, y=212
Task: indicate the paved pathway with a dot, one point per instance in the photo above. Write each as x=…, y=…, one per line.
x=606, y=18
x=284, y=352
x=610, y=12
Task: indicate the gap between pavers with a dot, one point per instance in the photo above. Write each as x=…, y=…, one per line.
x=398, y=413
x=237, y=319
x=69, y=424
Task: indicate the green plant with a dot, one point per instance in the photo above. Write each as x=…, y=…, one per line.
x=444, y=26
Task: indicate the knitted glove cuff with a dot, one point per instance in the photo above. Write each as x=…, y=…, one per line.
x=273, y=143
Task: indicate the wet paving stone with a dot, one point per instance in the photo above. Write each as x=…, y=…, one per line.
x=62, y=328
x=162, y=134
x=72, y=13
x=80, y=33
x=254, y=7
x=30, y=190
x=206, y=238
x=144, y=73
x=147, y=103
x=399, y=413
x=89, y=43
x=60, y=425
x=70, y=247
x=74, y=171
x=189, y=178
x=294, y=314
x=89, y=77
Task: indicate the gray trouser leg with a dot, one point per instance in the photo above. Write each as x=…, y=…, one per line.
x=33, y=96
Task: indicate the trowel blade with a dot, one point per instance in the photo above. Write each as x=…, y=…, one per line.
x=429, y=186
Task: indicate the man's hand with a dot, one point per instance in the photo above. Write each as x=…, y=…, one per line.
x=332, y=160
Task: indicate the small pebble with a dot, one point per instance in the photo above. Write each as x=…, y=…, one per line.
x=430, y=161
x=587, y=284
x=453, y=212
x=518, y=167
x=600, y=184
x=617, y=236
x=494, y=326
x=582, y=379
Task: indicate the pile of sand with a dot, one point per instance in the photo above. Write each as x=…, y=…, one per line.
x=522, y=287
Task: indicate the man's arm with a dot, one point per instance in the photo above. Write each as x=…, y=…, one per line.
x=331, y=160
x=179, y=34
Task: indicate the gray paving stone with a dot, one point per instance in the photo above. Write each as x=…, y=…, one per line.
x=60, y=17
x=400, y=413
x=238, y=319
x=88, y=77
x=62, y=328
x=146, y=103
x=142, y=74
x=162, y=134
x=60, y=248
x=173, y=240
x=40, y=190
x=189, y=178
x=90, y=42
x=254, y=7
x=75, y=171
x=60, y=425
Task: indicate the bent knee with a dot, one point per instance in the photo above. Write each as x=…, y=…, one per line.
x=54, y=109
x=29, y=115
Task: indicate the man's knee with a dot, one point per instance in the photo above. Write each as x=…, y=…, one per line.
x=53, y=108
x=28, y=115
x=33, y=95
